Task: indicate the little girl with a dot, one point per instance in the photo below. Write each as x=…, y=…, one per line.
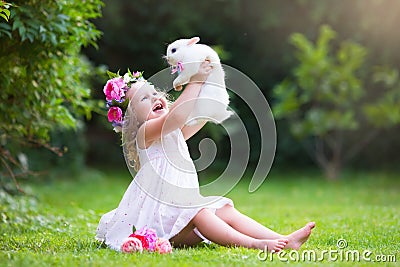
x=164, y=195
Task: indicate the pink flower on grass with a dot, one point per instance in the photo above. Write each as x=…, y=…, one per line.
x=132, y=245
x=142, y=239
x=150, y=235
x=114, y=114
x=114, y=89
x=163, y=246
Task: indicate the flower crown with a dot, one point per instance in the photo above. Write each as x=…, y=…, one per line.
x=115, y=91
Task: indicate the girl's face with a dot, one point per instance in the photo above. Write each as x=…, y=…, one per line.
x=147, y=102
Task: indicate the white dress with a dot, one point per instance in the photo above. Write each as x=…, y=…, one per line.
x=164, y=194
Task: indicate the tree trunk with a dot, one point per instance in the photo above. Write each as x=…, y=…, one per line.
x=329, y=161
x=332, y=170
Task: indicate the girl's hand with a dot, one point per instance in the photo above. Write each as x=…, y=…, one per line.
x=203, y=73
x=179, y=111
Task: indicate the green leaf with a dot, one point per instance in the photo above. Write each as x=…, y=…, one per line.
x=5, y=26
x=112, y=75
x=4, y=16
x=30, y=37
x=7, y=12
x=6, y=33
x=53, y=39
x=17, y=24
x=22, y=31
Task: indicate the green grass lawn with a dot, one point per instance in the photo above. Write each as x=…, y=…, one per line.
x=57, y=228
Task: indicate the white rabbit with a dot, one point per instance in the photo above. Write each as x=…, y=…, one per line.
x=185, y=56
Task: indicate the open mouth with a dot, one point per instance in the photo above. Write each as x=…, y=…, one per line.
x=158, y=107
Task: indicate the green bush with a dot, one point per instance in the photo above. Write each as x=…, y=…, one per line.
x=335, y=100
x=43, y=77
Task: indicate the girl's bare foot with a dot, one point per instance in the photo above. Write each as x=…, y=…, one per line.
x=297, y=238
x=272, y=245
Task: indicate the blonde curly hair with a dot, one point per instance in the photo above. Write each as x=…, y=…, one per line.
x=129, y=131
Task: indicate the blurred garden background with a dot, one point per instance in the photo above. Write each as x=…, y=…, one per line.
x=329, y=70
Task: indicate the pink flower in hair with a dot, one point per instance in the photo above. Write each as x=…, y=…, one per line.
x=114, y=114
x=114, y=89
x=163, y=246
x=131, y=245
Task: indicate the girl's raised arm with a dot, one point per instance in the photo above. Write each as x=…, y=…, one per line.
x=189, y=131
x=180, y=110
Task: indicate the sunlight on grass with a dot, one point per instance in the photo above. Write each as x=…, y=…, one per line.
x=58, y=227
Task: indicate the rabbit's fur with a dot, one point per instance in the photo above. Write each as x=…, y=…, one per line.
x=213, y=99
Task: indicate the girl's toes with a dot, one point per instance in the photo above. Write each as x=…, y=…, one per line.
x=279, y=246
x=283, y=241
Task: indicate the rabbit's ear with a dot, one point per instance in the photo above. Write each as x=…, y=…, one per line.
x=193, y=40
